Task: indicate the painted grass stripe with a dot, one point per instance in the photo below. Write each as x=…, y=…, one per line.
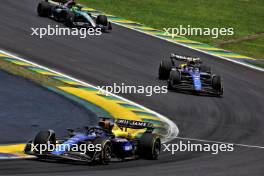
x=169, y=37
x=120, y=21
x=9, y=59
x=163, y=34
x=100, y=112
x=108, y=97
x=144, y=29
x=130, y=106
x=216, y=50
x=186, y=41
x=202, y=46
x=231, y=55
x=20, y=63
x=14, y=61
x=42, y=71
x=91, y=10
x=114, y=109
x=3, y=55
x=89, y=89
x=66, y=80
x=144, y=113
x=208, y=48
x=127, y=23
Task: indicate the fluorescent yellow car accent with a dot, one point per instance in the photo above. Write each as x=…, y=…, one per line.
x=111, y=106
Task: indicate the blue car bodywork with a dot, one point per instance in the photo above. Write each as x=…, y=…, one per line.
x=192, y=79
x=105, y=145
x=196, y=77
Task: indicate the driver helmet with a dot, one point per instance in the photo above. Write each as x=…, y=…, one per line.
x=105, y=124
x=70, y=3
x=190, y=62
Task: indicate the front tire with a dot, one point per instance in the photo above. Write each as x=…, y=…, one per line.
x=217, y=84
x=174, y=79
x=44, y=9
x=44, y=138
x=149, y=146
x=106, y=150
x=70, y=19
x=164, y=69
x=102, y=19
x=110, y=26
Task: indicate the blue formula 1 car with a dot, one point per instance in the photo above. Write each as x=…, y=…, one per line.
x=188, y=74
x=97, y=144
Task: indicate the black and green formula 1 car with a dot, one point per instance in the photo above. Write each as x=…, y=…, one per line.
x=72, y=15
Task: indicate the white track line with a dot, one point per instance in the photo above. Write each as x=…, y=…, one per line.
x=173, y=131
x=219, y=142
x=231, y=60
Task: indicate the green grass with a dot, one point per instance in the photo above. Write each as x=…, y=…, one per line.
x=245, y=16
x=253, y=48
x=23, y=72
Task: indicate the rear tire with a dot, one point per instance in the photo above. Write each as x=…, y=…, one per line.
x=44, y=9
x=102, y=19
x=149, y=146
x=164, y=69
x=217, y=84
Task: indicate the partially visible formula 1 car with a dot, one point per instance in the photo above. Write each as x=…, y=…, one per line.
x=72, y=15
x=188, y=74
x=112, y=146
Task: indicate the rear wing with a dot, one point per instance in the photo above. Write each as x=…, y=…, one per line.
x=122, y=123
x=185, y=58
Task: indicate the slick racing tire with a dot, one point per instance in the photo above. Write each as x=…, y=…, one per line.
x=110, y=26
x=44, y=138
x=102, y=19
x=205, y=69
x=105, y=153
x=149, y=146
x=164, y=69
x=175, y=78
x=70, y=19
x=44, y=9
x=217, y=84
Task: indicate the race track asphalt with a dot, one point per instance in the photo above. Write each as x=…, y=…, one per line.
x=126, y=56
x=27, y=108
